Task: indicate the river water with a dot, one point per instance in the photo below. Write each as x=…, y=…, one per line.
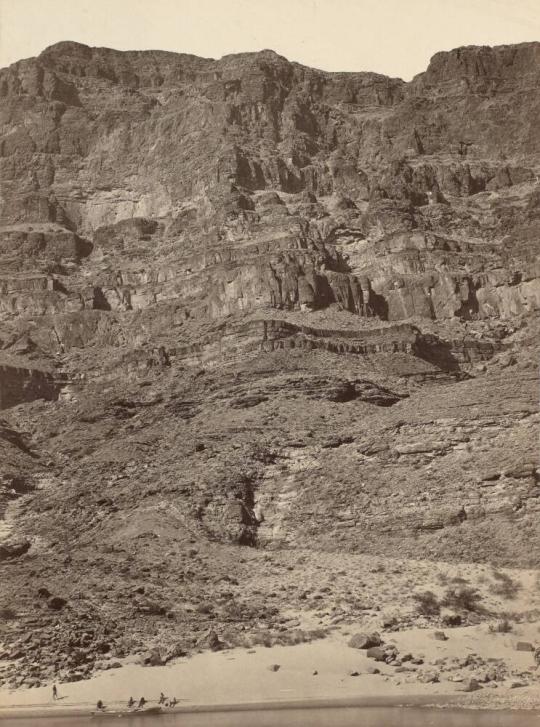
x=305, y=717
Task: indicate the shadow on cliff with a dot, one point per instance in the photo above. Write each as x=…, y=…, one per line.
x=437, y=351
x=379, y=305
x=100, y=301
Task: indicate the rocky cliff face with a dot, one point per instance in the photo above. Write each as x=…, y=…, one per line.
x=252, y=181
x=248, y=301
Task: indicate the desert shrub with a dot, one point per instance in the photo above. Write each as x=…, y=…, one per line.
x=318, y=633
x=427, y=603
x=290, y=638
x=263, y=639
x=504, y=585
x=503, y=626
x=235, y=638
x=464, y=598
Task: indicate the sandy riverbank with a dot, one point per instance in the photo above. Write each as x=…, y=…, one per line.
x=316, y=672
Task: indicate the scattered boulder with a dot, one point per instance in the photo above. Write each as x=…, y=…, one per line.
x=274, y=667
x=56, y=603
x=387, y=653
x=524, y=646
x=376, y=652
x=517, y=685
x=470, y=685
x=152, y=658
x=429, y=676
x=389, y=621
x=496, y=673
x=440, y=636
x=364, y=641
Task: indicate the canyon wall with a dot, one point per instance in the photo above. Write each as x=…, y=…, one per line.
x=244, y=250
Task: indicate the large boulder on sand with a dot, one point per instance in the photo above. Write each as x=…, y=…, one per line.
x=469, y=685
x=152, y=658
x=364, y=641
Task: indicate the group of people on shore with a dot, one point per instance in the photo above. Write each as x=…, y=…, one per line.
x=132, y=703
x=165, y=701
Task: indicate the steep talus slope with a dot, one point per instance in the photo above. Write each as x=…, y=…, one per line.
x=246, y=302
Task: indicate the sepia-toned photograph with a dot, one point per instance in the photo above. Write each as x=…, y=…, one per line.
x=269, y=351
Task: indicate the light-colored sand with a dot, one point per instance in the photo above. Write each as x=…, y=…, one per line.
x=241, y=676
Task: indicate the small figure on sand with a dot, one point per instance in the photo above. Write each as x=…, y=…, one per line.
x=100, y=706
x=173, y=702
x=142, y=702
x=162, y=698
x=54, y=692
x=536, y=657
x=131, y=702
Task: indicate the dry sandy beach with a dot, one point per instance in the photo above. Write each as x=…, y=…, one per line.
x=321, y=670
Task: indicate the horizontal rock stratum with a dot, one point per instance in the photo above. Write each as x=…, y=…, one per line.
x=244, y=302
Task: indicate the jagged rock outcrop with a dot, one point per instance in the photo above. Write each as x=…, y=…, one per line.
x=258, y=122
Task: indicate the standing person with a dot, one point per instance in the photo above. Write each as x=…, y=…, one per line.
x=54, y=692
x=536, y=657
x=131, y=702
x=161, y=698
x=142, y=702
